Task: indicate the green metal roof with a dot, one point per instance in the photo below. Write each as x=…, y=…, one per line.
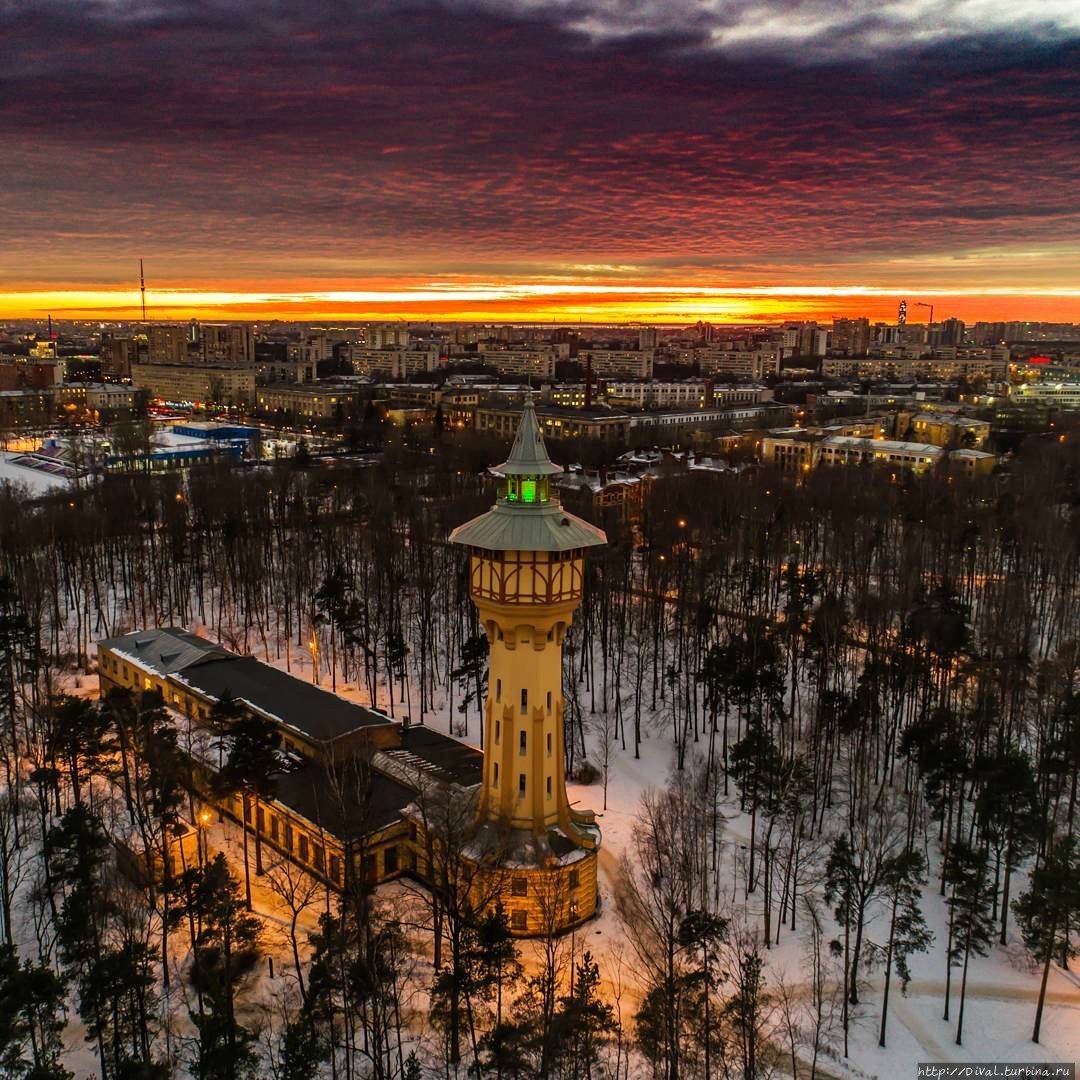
x=528, y=526
x=537, y=527
x=528, y=455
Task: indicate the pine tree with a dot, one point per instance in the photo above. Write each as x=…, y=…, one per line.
x=908, y=933
x=80, y=740
x=77, y=847
x=497, y=965
x=700, y=933
x=226, y=947
x=1046, y=910
x=584, y=1024
x=970, y=918
x=31, y=1019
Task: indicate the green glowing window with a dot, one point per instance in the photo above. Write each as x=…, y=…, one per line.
x=528, y=491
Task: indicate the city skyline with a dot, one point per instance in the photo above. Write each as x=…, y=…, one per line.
x=535, y=161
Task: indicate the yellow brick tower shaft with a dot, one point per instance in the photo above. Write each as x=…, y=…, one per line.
x=524, y=766
x=526, y=575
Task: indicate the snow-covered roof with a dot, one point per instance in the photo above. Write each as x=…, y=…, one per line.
x=37, y=481
x=164, y=650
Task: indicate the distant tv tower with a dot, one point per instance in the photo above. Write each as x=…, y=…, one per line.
x=901, y=315
x=142, y=289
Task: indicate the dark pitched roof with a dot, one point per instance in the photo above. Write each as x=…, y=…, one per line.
x=289, y=701
x=458, y=762
x=372, y=801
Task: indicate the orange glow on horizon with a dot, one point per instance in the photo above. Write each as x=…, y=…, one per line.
x=541, y=302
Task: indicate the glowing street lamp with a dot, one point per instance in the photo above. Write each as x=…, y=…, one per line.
x=202, y=822
x=313, y=648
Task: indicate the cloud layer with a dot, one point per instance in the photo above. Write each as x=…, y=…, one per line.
x=321, y=144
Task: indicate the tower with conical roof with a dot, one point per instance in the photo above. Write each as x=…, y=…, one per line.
x=526, y=572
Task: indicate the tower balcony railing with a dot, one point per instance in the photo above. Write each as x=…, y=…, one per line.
x=526, y=577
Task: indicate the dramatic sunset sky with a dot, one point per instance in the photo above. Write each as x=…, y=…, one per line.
x=659, y=160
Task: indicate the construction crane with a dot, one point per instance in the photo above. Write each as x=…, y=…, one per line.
x=919, y=303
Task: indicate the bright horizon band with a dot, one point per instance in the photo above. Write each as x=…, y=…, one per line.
x=540, y=302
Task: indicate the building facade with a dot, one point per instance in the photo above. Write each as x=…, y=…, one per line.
x=347, y=774
x=308, y=402
x=629, y=363
x=191, y=384
x=526, y=575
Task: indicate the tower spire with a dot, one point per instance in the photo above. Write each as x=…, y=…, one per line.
x=528, y=455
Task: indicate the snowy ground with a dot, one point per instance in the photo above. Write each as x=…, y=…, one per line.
x=1002, y=988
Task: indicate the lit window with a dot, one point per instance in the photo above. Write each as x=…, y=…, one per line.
x=528, y=491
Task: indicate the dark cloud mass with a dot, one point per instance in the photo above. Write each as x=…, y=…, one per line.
x=311, y=136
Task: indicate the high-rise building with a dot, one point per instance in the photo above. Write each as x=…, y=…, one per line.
x=227, y=344
x=952, y=332
x=167, y=344
x=526, y=572
x=648, y=337
x=117, y=355
x=851, y=337
x=988, y=333
x=395, y=335
x=812, y=340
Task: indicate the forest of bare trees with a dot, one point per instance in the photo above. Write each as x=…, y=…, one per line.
x=876, y=675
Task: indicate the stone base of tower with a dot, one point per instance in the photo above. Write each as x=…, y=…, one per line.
x=545, y=888
x=543, y=900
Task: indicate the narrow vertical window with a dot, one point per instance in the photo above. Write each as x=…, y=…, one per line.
x=495, y=779
x=498, y=689
x=522, y=741
x=549, y=744
x=498, y=728
x=549, y=701
x=524, y=701
x=549, y=787
x=521, y=783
